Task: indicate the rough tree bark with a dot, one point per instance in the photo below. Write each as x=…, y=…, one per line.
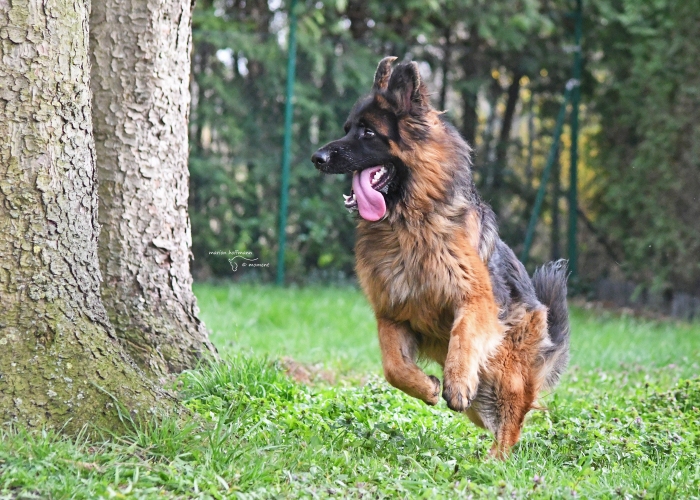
x=140, y=53
x=60, y=363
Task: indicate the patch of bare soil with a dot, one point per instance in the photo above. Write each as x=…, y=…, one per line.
x=308, y=374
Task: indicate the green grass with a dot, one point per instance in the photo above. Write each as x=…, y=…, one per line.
x=333, y=326
x=624, y=423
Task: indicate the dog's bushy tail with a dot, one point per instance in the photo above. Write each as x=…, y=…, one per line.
x=550, y=288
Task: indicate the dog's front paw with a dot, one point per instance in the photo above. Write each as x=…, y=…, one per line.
x=435, y=394
x=459, y=392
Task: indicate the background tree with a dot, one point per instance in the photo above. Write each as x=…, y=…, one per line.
x=60, y=363
x=140, y=53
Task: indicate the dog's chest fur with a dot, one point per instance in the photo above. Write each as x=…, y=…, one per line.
x=420, y=275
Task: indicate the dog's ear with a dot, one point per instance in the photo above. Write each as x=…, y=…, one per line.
x=381, y=76
x=407, y=88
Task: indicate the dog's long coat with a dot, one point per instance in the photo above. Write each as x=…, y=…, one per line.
x=428, y=257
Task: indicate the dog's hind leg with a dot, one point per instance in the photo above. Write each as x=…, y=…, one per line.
x=475, y=335
x=399, y=348
x=515, y=376
x=515, y=401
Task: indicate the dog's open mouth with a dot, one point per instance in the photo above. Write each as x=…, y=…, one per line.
x=367, y=188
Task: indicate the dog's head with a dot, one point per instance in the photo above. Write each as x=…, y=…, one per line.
x=396, y=146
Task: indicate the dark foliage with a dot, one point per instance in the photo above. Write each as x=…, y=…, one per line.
x=499, y=69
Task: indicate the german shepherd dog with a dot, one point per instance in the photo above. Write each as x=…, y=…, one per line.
x=442, y=284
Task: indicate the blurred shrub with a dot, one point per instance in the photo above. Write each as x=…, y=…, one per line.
x=499, y=69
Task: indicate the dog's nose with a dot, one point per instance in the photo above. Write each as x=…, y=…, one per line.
x=321, y=158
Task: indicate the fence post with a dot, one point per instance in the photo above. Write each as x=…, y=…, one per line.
x=573, y=179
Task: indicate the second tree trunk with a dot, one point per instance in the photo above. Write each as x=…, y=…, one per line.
x=140, y=74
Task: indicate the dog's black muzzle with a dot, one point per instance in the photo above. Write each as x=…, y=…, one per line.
x=334, y=158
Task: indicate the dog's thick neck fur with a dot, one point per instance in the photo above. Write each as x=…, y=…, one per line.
x=439, y=191
x=438, y=213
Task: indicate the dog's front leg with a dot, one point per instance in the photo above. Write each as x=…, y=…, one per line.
x=398, y=345
x=475, y=335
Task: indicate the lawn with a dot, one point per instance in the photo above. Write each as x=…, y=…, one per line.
x=624, y=423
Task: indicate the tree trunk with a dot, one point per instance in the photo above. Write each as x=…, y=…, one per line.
x=507, y=124
x=500, y=164
x=61, y=365
x=446, y=58
x=140, y=52
x=530, y=145
x=473, y=70
x=470, y=118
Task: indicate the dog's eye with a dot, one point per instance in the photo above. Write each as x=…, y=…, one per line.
x=367, y=133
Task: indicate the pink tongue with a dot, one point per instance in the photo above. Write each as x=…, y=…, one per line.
x=370, y=203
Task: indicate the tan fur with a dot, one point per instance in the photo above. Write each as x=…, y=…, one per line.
x=473, y=227
x=430, y=181
x=398, y=355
